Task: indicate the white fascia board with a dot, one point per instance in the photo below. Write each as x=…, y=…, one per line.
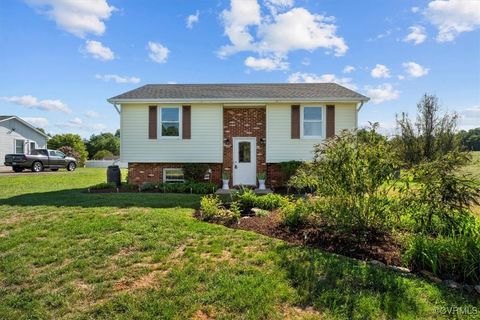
x=232, y=101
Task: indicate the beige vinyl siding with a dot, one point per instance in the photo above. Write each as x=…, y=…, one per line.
x=204, y=146
x=280, y=146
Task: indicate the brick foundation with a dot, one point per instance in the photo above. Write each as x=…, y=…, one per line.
x=139, y=173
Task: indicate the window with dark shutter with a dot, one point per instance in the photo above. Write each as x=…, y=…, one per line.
x=295, y=122
x=152, y=122
x=187, y=122
x=330, y=121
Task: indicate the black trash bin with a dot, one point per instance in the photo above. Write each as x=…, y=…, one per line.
x=114, y=175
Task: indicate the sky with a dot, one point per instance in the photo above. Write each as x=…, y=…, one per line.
x=60, y=60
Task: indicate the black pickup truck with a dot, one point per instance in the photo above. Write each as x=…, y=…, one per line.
x=39, y=159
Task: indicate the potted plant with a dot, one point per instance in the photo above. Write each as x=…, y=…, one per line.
x=261, y=180
x=225, y=180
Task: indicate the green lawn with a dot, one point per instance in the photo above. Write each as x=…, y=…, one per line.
x=65, y=253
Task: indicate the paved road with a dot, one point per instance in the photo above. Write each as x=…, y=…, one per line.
x=7, y=171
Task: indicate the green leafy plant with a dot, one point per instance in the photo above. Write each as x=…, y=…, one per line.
x=212, y=210
x=195, y=172
x=270, y=201
x=355, y=175
x=189, y=187
x=296, y=214
x=262, y=176
x=148, y=186
x=289, y=168
x=129, y=187
x=225, y=175
x=104, y=186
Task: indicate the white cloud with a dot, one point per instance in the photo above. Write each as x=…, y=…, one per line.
x=469, y=118
x=117, y=78
x=92, y=114
x=77, y=123
x=380, y=71
x=171, y=82
x=157, y=52
x=77, y=17
x=276, y=34
x=415, y=9
x=193, y=18
x=414, y=69
x=417, y=35
x=98, y=50
x=348, y=69
x=32, y=102
x=267, y=64
x=382, y=93
x=299, y=77
x=401, y=77
x=452, y=17
x=37, y=121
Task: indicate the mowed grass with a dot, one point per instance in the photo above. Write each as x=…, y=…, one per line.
x=65, y=253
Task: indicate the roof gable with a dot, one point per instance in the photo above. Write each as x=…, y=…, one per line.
x=5, y=118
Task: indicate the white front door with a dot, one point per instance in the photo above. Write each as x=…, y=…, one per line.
x=244, y=161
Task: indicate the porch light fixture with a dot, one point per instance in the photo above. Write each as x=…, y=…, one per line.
x=226, y=141
x=263, y=140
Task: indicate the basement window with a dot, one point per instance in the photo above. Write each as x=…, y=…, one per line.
x=173, y=175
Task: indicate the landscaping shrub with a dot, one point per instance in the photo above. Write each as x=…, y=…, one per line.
x=247, y=199
x=439, y=202
x=195, y=172
x=289, y=168
x=104, y=186
x=355, y=174
x=212, y=210
x=296, y=214
x=190, y=187
x=270, y=201
x=101, y=154
x=148, y=186
x=447, y=257
x=129, y=187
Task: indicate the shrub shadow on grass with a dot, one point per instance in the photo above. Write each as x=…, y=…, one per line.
x=355, y=290
x=80, y=198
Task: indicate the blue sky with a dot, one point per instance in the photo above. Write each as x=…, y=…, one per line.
x=60, y=60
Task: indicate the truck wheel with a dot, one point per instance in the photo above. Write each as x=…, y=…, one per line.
x=71, y=166
x=37, y=166
x=17, y=169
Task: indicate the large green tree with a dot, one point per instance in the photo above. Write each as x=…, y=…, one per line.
x=69, y=140
x=470, y=139
x=431, y=136
x=103, y=142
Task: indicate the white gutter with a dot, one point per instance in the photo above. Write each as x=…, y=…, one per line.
x=361, y=105
x=114, y=105
x=232, y=101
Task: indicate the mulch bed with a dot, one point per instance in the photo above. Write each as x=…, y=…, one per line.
x=381, y=247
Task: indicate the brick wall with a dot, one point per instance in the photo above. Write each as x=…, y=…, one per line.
x=139, y=173
x=244, y=122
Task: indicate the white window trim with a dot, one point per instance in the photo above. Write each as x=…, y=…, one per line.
x=15, y=145
x=302, y=124
x=171, y=180
x=159, y=117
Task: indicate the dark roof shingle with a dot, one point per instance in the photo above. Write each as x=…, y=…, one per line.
x=244, y=91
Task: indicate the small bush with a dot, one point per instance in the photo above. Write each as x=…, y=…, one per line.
x=104, y=186
x=212, y=210
x=129, y=187
x=289, y=168
x=248, y=199
x=190, y=187
x=195, y=172
x=296, y=214
x=149, y=186
x=270, y=201
x=446, y=256
x=102, y=154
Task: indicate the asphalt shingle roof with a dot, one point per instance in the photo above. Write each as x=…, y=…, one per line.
x=241, y=91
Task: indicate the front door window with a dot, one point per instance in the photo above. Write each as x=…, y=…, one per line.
x=244, y=152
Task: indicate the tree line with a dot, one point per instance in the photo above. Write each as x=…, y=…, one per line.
x=97, y=147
